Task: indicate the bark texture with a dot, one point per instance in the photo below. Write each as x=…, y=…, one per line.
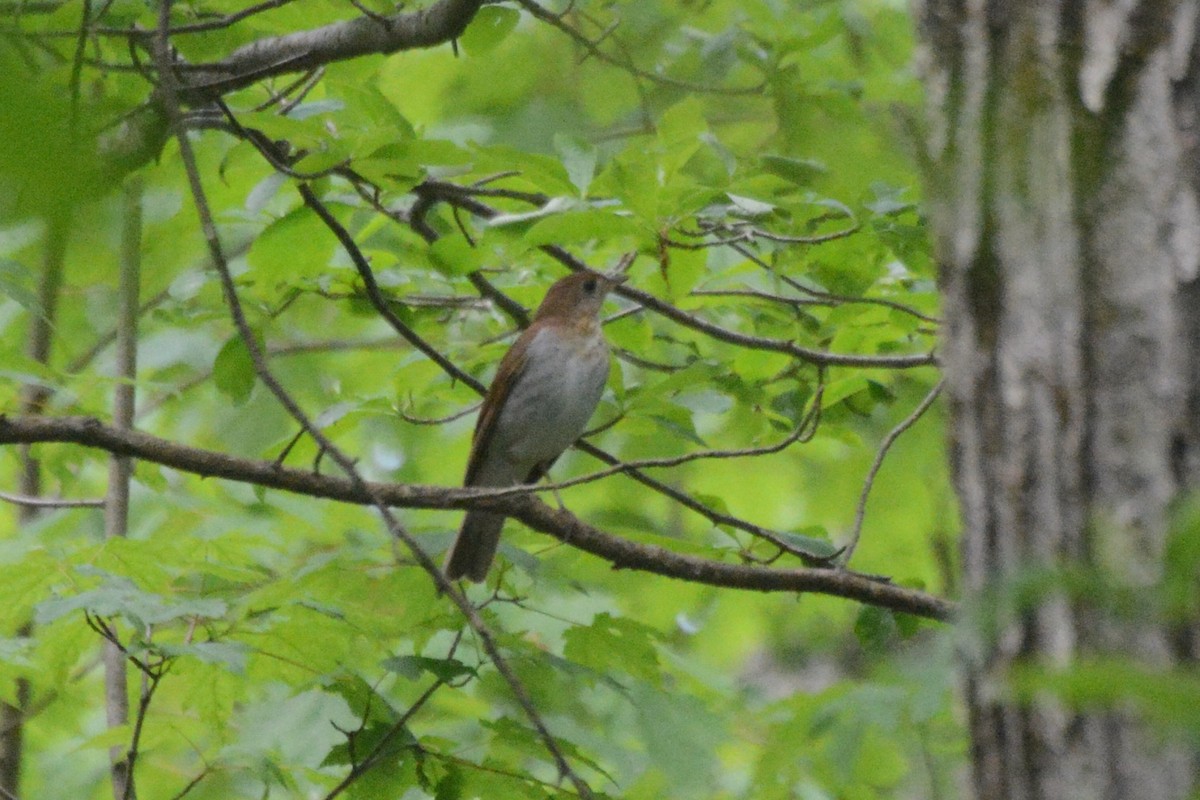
x=1063, y=195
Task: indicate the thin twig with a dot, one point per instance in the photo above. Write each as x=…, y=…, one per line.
x=49, y=502
x=120, y=468
x=803, y=432
x=150, y=683
x=555, y=789
x=743, y=233
x=77, y=60
x=83, y=359
x=679, y=496
x=195, y=27
x=545, y=15
x=304, y=83
x=192, y=784
x=860, y=510
x=438, y=420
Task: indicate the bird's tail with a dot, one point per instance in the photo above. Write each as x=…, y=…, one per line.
x=472, y=552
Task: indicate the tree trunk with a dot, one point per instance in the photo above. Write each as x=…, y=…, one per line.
x=1063, y=180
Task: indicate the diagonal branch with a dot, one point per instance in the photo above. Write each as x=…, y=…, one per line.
x=169, y=90
x=561, y=524
x=860, y=510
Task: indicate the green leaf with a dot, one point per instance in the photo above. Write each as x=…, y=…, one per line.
x=801, y=171
x=454, y=255
x=450, y=786
x=1168, y=696
x=412, y=667
x=579, y=159
x=117, y=736
x=875, y=627
x=575, y=227
x=614, y=643
x=233, y=371
x=683, y=271
x=814, y=540
x=384, y=740
x=15, y=282
x=302, y=131
x=678, y=422
x=297, y=245
x=231, y=655
x=680, y=133
x=838, y=390
x=489, y=27
x=364, y=700
x=119, y=597
x=749, y=207
x=680, y=734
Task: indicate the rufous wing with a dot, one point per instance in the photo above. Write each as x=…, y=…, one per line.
x=507, y=375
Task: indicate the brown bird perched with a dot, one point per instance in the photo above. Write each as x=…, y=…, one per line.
x=547, y=386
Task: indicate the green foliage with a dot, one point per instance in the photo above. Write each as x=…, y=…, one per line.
x=299, y=638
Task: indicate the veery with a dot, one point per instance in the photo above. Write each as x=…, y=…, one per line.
x=545, y=390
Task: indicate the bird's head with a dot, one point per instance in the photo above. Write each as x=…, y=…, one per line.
x=577, y=298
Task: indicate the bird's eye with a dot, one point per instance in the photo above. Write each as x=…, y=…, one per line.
x=589, y=285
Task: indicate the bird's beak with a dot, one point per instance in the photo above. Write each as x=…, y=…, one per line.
x=617, y=275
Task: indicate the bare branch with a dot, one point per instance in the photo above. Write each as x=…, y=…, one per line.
x=409, y=418
x=560, y=524
x=860, y=510
x=49, y=502
x=192, y=784
x=120, y=468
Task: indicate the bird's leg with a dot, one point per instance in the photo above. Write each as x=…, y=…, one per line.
x=542, y=472
x=554, y=491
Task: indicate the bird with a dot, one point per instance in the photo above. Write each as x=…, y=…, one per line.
x=545, y=390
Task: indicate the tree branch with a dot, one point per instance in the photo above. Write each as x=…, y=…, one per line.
x=561, y=524
x=860, y=510
x=120, y=468
x=441, y=22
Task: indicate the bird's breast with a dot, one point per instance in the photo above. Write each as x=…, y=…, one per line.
x=554, y=397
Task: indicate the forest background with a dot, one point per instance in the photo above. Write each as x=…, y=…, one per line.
x=258, y=262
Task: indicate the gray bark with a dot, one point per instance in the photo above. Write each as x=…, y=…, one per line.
x=1063, y=201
